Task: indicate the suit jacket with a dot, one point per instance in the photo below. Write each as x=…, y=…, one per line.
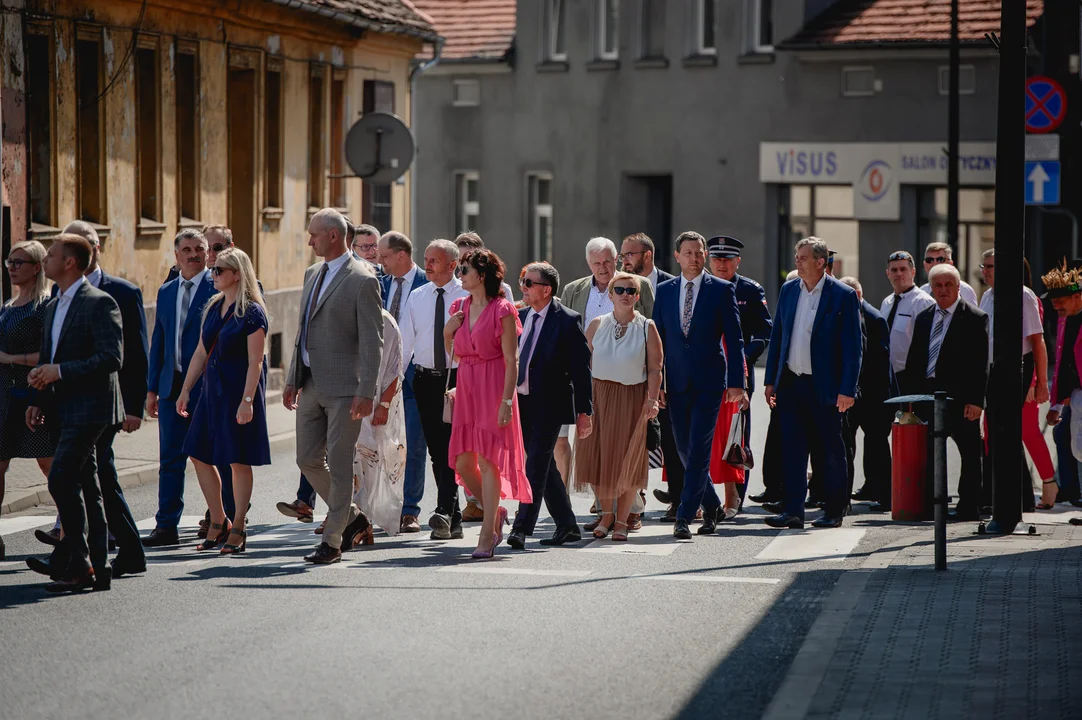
x=836, y=344
x=163, y=339
x=876, y=382
x=90, y=352
x=345, y=341
x=696, y=362
x=755, y=321
x=386, y=282
x=662, y=276
x=577, y=293
x=133, y=375
x=559, y=369
x=961, y=369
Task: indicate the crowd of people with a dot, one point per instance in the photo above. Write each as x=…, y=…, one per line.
x=580, y=386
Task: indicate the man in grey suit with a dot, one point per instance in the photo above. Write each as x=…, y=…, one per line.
x=333, y=376
x=77, y=387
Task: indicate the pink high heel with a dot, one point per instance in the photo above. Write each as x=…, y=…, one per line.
x=487, y=554
x=501, y=520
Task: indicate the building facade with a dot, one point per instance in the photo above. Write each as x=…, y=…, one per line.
x=762, y=119
x=146, y=118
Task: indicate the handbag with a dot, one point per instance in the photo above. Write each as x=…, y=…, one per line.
x=738, y=455
x=653, y=425
x=449, y=392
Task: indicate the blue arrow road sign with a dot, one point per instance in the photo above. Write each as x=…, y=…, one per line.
x=1042, y=183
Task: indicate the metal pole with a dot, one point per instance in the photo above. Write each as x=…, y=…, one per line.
x=952, y=133
x=939, y=459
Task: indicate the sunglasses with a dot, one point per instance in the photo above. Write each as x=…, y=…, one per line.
x=899, y=256
x=934, y=260
x=461, y=270
x=218, y=270
x=218, y=247
x=988, y=266
x=625, y=291
x=16, y=263
x=528, y=283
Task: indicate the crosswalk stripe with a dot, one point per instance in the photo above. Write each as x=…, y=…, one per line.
x=653, y=540
x=12, y=525
x=498, y=570
x=826, y=545
x=710, y=578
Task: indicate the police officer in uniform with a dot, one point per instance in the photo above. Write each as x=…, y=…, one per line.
x=755, y=321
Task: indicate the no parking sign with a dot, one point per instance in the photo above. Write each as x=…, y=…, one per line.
x=1046, y=104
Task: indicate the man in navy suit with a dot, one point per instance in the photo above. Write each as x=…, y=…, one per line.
x=553, y=390
x=177, y=325
x=814, y=363
x=694, y=312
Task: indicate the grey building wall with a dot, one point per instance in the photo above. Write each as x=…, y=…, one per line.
x=700, y=124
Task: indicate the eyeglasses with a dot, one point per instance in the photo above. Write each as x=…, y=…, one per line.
x=622, y=256
x=218, y=247
x=988, y=266
x=461, y=270
x=901, y=255
x=935, y=260
x=620, y=290
x=218, y=270
x=16, y=263
x=367, y=247
x=528, y=283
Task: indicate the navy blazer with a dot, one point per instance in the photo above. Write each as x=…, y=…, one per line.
x=696, y=362
x=877, y=382
x=559, y=369
x=385, y=281
x=755, y=321
x=163, y=340
x=836, y=339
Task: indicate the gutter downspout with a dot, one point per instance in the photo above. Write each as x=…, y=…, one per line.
x=437, y=53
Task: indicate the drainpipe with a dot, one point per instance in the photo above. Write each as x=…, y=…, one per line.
x=436, y=54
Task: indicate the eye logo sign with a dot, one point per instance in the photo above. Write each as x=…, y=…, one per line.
x=875, y=181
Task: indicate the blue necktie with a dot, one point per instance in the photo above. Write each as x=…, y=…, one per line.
x=524, y=362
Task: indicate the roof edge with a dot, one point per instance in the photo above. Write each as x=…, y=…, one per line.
x=358, y=20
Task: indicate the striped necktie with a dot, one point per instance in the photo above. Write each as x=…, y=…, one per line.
x=935, y=341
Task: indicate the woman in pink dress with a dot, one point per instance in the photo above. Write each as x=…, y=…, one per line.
x=486, y=447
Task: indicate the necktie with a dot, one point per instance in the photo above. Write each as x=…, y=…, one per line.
x=893, y=312
x=396, y=301
x=313, y=301
x=527, y=351
x=935, y=341
x=438, y=348
x=689, y=297
x=185, y=301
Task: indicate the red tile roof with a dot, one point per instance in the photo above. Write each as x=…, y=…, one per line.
x=474, y=29
x=897, y=22
x=392, y=16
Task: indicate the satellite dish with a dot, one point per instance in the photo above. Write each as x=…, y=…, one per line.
x=380, y=148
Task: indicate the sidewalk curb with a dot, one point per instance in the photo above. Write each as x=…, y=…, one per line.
x=145, y=474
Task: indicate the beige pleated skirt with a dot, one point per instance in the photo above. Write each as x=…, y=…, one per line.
x=613, y=459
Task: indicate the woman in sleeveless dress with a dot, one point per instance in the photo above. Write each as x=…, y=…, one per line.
x=486, y=447
x=626, y=364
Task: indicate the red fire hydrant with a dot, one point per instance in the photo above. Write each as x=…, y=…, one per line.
x=909, y=467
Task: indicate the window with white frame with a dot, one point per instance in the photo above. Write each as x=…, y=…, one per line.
x=467, y=200
x=759, y=17
x=466, y=93
x=555, y=30
x=859, y=82
x=703, y=41
x=608, y=29
x=967, y=80
x=539, y=230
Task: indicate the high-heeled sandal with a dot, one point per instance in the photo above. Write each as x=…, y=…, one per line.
x=224, y=528
x=619, y=535
x=501, y=520
x=233, y=549
x=486, y=554
x=602, y=531
x=1048, y=506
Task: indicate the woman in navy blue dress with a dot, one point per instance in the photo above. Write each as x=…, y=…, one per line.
x=229, y=423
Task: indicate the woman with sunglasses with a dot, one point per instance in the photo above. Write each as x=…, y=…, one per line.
x=20, y=339
x=229, y=426
x=486, y=447
x=627, y=358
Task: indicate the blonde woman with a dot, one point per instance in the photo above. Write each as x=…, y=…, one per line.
x=229, y=423
x=20, y=338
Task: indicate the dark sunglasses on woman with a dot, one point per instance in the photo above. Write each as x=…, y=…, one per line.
x=462, y=270
x=218, y=270
x=625, y=291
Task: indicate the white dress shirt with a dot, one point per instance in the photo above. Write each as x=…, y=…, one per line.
x=938, y=341
x=1031, y=318
x=800, y=338
x=653, y=279
x=419, y=322
x=407, y=283
x=966, y=292
x=597, y=304
x=178, y=332
x=696, y=284
x=63, y=304
x=913, y=302
x=535, y=318
x=95, y=277
x=332, y=269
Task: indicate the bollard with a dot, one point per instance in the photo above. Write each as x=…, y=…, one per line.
x=939, y=456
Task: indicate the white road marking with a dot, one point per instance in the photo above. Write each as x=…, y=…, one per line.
x=1061, y=515
x=500, y=570
x=651, y=540
x=826, y=545
x=186, y=522
x=710, y=578
x=12, y=525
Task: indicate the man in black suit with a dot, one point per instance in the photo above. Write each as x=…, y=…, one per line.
x=950, y=353
x=553, y=390
x=875, y=387
x=77, y=386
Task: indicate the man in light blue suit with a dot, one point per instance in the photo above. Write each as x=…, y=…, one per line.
x=694, y=313
x=177, y=325
x=812, y=369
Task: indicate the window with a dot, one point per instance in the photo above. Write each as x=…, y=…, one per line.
x=859, y=82
x=39, y=127
x=88, y=88
x=608, y=29
x=376, y=200
x=315, y=138
x=466, y=93
x=187, y=79
x=702, y=28
x=467, y=205
x=338, y=141
x=539, y=200
x=827, y=212
x=760, y=25
x=976, y=226
x=653, y=29
x=147, y=103
x=555, y=29
x=967, y=80
x=272, y=180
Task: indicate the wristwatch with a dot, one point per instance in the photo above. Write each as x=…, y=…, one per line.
x=508, y=402
x=385, y=405
x=248, y=399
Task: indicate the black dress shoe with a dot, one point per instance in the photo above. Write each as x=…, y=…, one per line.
x=359, y=525
x=162, y=537
x=662, y=496
x=103, y=579
x=879, y=507
x=763, y=497
x=862, y=495
x=324, y=555
x=775, y=507
x=824, y=521
x=563, y=536
x=73, y=583
x=1075, y=521
x=710, y=522
x=122, y=567
x=812, y=504
x=51, y=538
x=681, y=531
x=42, y=566
x=517, y=540
x=1075, y=503
x=786, y=521
x=670, y=515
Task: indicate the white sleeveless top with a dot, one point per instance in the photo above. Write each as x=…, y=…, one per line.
x=623, y=360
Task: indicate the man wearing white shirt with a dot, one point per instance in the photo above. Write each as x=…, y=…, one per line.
x=938, y=253
x=422, y=325
x=900, y=307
